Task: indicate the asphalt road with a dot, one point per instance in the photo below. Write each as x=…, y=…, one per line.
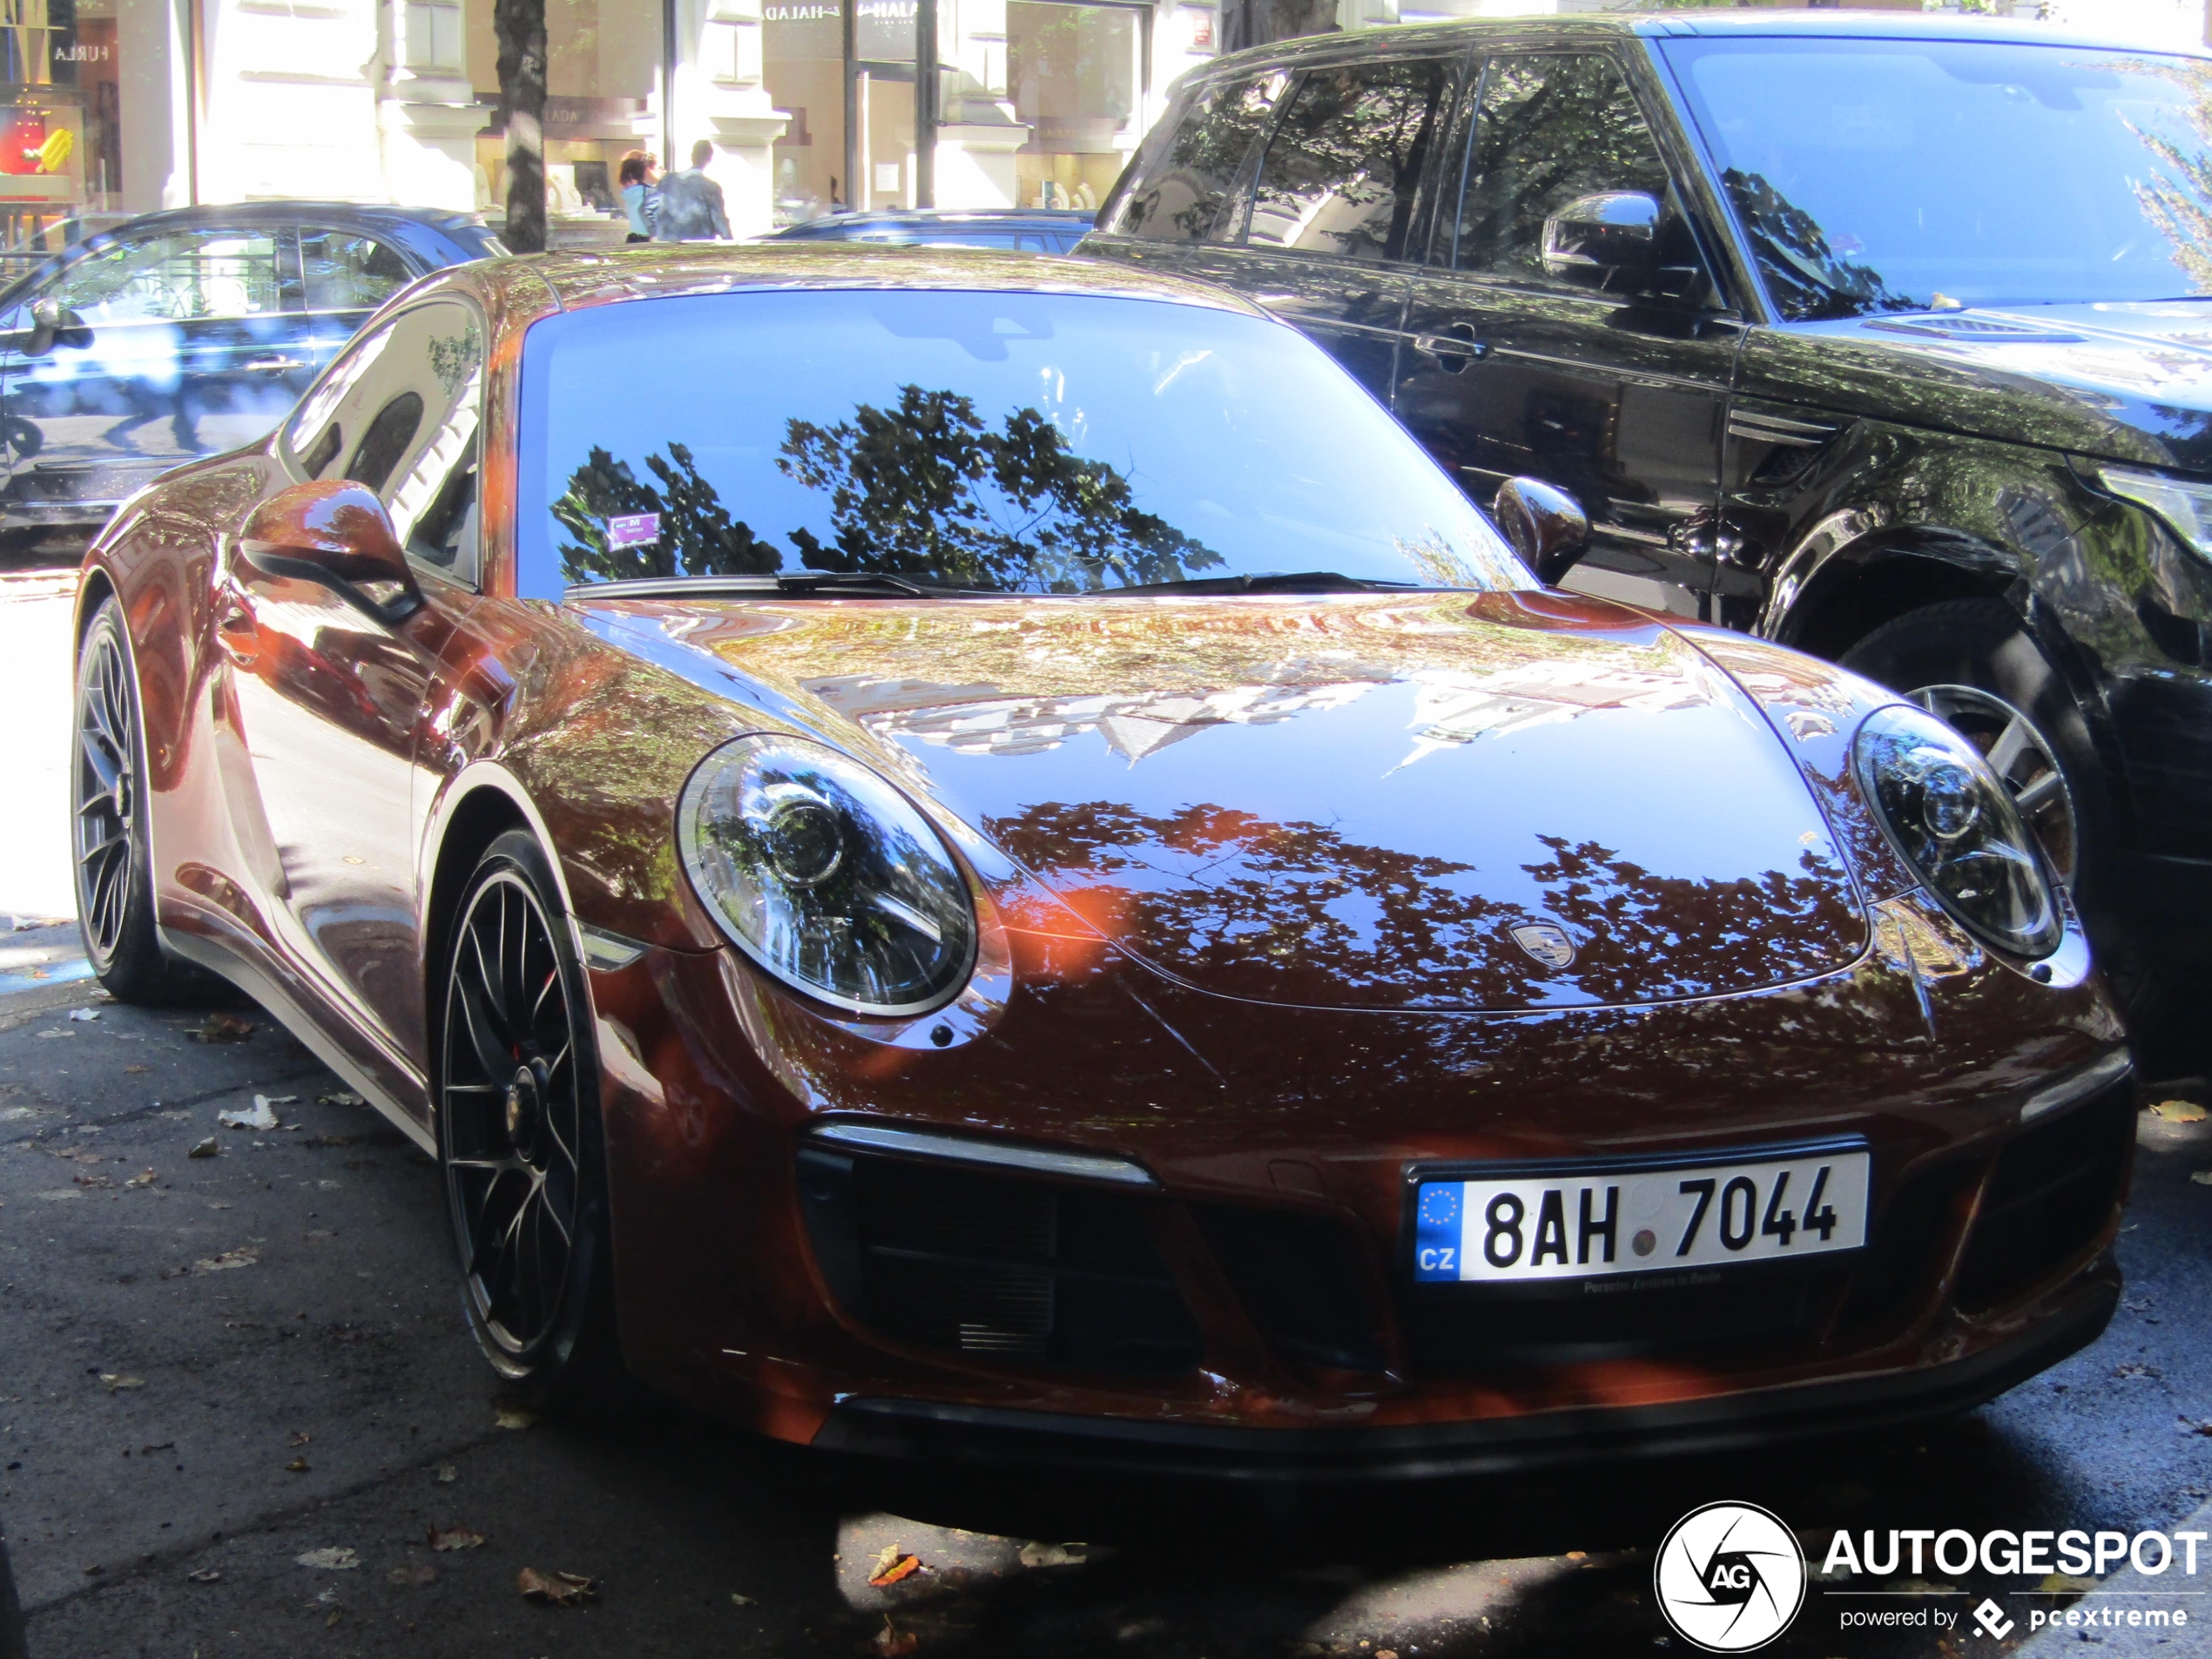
x=212, y=1368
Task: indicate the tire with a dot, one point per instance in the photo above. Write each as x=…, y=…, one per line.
x=111, y=856
x=520, y=1142
x=1973, y=663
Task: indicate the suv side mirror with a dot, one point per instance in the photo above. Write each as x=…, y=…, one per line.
x=334, y=532
x=1544, y=525
x=1614, y=241
x=52, y=324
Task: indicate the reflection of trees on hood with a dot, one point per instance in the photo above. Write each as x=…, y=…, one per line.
x=697, y=537
x=1808, y=281
x=924, y=489
x=2179, y=204
x=908, y=496
x=1297, y=913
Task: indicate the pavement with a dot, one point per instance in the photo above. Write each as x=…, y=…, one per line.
x=239, y=1415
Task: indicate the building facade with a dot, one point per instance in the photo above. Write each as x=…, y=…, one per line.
x=121, y=106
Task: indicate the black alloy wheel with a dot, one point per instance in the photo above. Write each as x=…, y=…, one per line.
x=519, y=1133
x=113, y=867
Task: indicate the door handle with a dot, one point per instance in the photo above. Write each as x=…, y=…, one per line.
x=1454, y=348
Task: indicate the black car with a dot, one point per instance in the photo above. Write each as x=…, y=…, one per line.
x=189, y=333
x=1028, y=229
x=1885, y=336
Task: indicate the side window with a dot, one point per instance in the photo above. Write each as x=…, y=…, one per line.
x=399, y=413
x=1551, y=129
x=1344, y=168
x=346, y=271
x=1188, y=184
x=183, y=277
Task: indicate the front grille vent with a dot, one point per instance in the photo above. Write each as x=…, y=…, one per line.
x=2051, y=1194
x=995, y=1266
x=1299, y=1280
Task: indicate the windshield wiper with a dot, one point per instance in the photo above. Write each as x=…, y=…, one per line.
x=1264, y=581
x=830, y=583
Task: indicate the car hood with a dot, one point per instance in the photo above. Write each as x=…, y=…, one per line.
x=1503, y=801
x=2118, y=382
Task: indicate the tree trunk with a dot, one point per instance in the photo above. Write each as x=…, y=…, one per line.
x=520, y=27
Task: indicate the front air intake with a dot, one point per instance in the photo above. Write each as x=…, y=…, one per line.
x=1008, y=1268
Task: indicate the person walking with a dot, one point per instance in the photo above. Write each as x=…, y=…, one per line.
x=690, y=202
x=639, y=199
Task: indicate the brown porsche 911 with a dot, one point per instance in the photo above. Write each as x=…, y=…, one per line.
x=961, y=853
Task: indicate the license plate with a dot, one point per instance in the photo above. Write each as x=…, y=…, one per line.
x=1567, y=1225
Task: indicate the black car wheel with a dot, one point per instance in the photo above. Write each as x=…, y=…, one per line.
x=519, y=1132
x=1972, y=662
x=113, y=864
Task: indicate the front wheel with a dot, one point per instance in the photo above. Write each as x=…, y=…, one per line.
x=519, y=1137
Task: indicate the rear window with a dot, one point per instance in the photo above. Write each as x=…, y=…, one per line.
x=1185, y=189
x=1008, y=441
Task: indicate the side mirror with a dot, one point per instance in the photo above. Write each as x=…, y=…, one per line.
x=334, y=532
x=52, y=324
x=1544, y=525
x=1609, y=241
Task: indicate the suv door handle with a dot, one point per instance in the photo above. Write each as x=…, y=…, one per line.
x=1454, y=348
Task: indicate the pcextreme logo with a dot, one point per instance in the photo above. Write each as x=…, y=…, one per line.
x=1730, y=1577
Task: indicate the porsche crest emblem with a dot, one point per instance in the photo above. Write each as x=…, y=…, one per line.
x=1547, y=941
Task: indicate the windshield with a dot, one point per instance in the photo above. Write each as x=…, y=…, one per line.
x=1891, y=175
x=1013, y=442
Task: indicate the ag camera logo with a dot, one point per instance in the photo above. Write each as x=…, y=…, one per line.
x=1730, y=1577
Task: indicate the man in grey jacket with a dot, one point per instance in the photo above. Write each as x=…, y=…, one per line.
x=690, y=202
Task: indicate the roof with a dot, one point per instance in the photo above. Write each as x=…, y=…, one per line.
x=1746, y=22
x=892, y=219
x=660, y=271
x=285, y=212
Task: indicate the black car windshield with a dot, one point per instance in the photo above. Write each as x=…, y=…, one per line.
x=1910, y=175
x=1005, y=441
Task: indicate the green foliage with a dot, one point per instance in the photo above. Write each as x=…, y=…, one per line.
x=2178, y=204
x=697, y=537
x=1806, y=278
x=910, y=494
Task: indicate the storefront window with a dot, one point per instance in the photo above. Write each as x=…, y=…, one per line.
x=803, y=49
x=60, y=117
x=1073, y=73
x=602, y=100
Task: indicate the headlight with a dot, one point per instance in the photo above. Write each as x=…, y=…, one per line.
x=1950, y=817
x=2186, y=508
x=827, y=876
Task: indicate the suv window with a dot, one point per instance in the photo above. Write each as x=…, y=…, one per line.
x=347, y=271
x=1343, y=167
x=1551, y=129
x=1187, y=187
x=183, y=277
x=399, y=413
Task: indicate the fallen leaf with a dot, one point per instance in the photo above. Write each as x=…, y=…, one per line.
x=257, y=1116
x=2135, y=1368
x=2191, y=1426
x=1386, y=1653
x=412, y=1573
x=336, y=1559
x=456, y=1537
x=559, y=1590
x=298, y=1466
x=82, y=1014
x=2202, y=1177
x=224, y=1262
x=223, y=1028
x=136, y=1071
x=1049, y=1555
x=2067, y=1583
x=341, y=1097
x=444, y=1475
x=2173, y=1111
x=891, y=1642
x=206, y=1149
x=115, y=1380
x=514, y=1416
x=144, y=1178
x=206, y=1575
x=298, y=1437
x=92, y=1181
x=902, y=1567
x=742, y=1600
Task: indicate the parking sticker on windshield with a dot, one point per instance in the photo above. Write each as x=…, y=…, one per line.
x=633, y=529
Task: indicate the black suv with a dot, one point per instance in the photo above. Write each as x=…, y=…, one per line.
x=1882, y=336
